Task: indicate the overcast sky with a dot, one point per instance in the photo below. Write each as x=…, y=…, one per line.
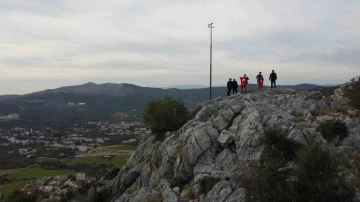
x=52, y=43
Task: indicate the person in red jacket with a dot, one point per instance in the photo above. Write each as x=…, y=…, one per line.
x=260, y=81
x=244, y=82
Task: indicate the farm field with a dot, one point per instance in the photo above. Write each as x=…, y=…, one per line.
x=9, y=171
x=110, y=150
x=36, y=172
x=7, y=189
x=23, y=176
x=117, y=161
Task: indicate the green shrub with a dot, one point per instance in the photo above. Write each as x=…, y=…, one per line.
x=103, y=195
x=83, y=188
x=111, y=174
x=331, y=129
x=274, y=137
x=319, y=178
x=167, y=114
x=272, y=183
x=178, y=182
x=207, y=183
x=352, y=92
x=19, y=196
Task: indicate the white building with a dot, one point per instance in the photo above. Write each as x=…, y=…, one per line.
x=99, y=140
x=13, y=116
x=82, y=148
x=46, y=189
x=12, y=139
x=80, y=176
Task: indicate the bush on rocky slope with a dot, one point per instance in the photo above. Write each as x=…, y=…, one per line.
x=162, y=115
x=331, y=129
x=207, y=183
x=274, y=137
x=352, y=92
x=273, y=185
x=315, y=177
x=320, y=176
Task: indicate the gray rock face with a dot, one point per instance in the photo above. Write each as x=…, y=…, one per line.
x=222, y=135
x=237, y=196
x=223, y=120
x=226, y=138
x=314, y=110
x=220, y=192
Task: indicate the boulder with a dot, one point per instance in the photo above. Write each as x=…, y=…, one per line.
x=314, y=110
x=223, y=120
x=226, y=138
x=339, y=92
x=316, y=95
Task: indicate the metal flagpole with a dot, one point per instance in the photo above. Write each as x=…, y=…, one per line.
x=211, y=27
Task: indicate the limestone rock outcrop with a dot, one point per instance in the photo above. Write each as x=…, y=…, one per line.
x=223, y=135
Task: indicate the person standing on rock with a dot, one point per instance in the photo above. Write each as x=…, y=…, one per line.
x=260, y=82
x=229, y=86
x=244, y=83
x=273, y=78
x=235, y=86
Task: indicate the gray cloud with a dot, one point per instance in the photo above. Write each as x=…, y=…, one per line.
x=149, y=42
x=296, y=46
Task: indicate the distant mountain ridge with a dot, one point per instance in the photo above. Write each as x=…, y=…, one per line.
x=103, y=100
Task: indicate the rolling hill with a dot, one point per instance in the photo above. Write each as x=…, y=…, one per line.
x=103, y=100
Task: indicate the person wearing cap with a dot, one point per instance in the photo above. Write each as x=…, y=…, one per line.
x=259, y=79
x=229, y=86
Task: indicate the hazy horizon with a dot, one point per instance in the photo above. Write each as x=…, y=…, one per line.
x=49, y=44
x=192, y=86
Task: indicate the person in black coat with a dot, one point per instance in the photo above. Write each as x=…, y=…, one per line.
x=229, y=86
x=273, y=78
x=235, y=86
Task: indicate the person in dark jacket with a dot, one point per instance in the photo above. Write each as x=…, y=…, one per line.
x=235, y=86
x=273, y=78
x=229, y=86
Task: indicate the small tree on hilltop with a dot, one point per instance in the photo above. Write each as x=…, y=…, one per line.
x=352, y=92
x=167, y=114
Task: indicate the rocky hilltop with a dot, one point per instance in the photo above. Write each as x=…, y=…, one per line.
x=221, y=138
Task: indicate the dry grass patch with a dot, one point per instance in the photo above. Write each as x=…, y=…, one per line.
x=180, y=150
x=155, y=161
x=134, y=187
x=154, y=198
x=189, y=192
x=154, y=182
x=247, y=176
x=334, y=112
x=129, y=164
